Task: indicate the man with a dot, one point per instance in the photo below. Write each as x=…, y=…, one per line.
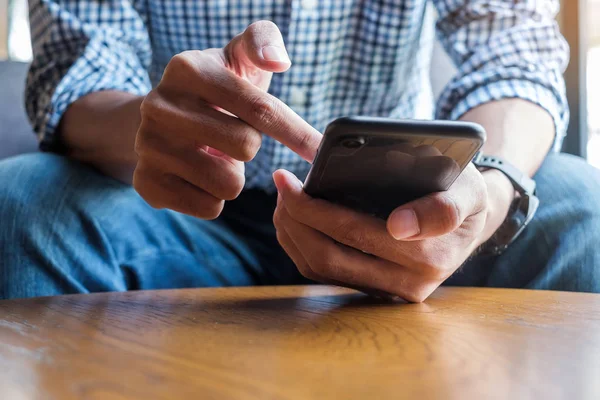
x=197, y=103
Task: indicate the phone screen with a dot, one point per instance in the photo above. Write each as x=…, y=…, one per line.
x=376, y=174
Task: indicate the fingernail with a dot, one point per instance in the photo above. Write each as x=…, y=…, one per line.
x=215, y=152
x=275, y=53
x=403, y=224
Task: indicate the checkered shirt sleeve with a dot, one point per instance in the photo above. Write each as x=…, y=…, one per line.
x=82, y=47
x=504, y=49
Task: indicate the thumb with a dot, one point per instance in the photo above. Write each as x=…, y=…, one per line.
x=430, y=216
x=443, y=212
x=261, y=45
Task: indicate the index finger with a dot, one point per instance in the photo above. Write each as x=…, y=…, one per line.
x=259, y=109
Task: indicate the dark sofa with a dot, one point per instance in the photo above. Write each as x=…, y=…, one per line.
x=16, y=135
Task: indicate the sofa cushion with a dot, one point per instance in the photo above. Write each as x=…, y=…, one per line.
x=16, y=135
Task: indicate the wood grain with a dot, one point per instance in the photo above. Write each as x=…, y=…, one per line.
x=313, y=342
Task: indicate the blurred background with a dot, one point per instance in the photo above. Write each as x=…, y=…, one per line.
x=578, y=20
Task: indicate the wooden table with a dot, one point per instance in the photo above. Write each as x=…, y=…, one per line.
x=312, y=342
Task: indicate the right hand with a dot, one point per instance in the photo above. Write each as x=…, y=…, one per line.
x=205, y=118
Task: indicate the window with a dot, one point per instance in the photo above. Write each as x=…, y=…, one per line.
x=579, y=25
x=15, y=41
x=593, y=80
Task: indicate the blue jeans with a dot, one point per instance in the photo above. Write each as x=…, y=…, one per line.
x=65, y=228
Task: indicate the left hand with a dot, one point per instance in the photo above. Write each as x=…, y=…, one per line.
x=409, y=256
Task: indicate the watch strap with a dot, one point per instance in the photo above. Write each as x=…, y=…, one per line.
x=520, y=215
x=521, y=182
x=522, y=209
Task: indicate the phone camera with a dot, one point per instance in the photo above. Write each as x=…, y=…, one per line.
x=353, y=142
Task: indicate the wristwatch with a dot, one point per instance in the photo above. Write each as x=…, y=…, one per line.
x=522, y=209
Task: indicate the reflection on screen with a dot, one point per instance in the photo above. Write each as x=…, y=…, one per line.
x=391, y=171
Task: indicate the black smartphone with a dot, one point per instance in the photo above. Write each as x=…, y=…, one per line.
x=374, y=165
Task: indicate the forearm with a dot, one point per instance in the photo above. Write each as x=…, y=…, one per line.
x=100, y=129
x=520, y=132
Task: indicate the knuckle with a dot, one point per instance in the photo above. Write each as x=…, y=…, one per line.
x=435, y=272
x=147, y=191
x=204, y=208
x=350, y=234
x=183, y=64
x=145, y=105
x=448, y=211
x=304, y=140
x=145, y=141
x=139, y=146
x=307, y=272
x=418, y=292
x=321, y=268
x=210, y=209
x=151, y=104
x=264, y=110
x=155, y=109
x=416, y=296
x=159, y=190
x=435, y=264
x=183, y=69
x=233, y=187
x=439, y=258
x=221, y=181
x=326, y=265
x=154, y=202
x=428, y=255
x=249, y=144
x=280, y=237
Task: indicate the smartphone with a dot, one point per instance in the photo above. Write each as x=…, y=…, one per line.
x=375, y=165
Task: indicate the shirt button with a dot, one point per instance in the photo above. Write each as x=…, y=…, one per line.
x=309, y=4
x=298, y=96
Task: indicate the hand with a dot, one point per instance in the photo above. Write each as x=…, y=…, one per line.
x=420, y=246
x=205, y=118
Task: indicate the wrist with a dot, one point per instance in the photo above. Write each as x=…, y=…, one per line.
x=100, y=129
x=501, y=193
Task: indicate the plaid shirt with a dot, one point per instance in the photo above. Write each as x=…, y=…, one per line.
x=350, y=57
